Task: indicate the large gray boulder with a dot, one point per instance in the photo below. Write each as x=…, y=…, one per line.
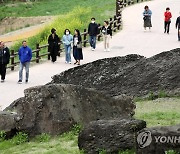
x=158, y=140
x=110, y=135
x=132, y=75
x=56, y=108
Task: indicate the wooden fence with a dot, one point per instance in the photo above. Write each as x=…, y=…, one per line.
x=115, y=23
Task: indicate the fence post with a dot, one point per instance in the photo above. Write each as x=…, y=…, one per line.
x=110, y=21
x=12, y=60
x=85, y=37
x=37, y=53
x=48, y=53
x=99, y=32
x=125, y=3
x=121, y=4
x=118, y=7
x=60, y=48
x=115, y=21
x=119, y=22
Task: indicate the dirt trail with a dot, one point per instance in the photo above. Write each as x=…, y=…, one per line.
x=28, y=27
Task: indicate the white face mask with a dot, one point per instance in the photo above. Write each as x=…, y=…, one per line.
x=93, y=21
x=67, y=33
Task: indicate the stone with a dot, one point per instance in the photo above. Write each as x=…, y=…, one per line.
x=7, y=123
x=133, y=75
x=55, y=108
x=158, y=140
x=110, y=135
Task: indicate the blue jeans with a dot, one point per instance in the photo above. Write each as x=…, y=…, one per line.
x=68, y=52
x=22, y=65
x=92, y=41
x=179, y=34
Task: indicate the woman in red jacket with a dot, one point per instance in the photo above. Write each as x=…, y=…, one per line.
x=167, y=20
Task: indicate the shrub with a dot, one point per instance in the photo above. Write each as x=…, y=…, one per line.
x=162, y=94
x=20, y=138
x=2, y=136
x=76, y=19
x=43, y=137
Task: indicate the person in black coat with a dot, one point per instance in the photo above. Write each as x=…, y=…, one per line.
x=77, y=47
x=107, y=34
x=178, y=27
x=53, y=47
x=4, y=60
x=93, y=32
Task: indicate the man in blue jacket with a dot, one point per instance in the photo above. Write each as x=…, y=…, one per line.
x=25, y=55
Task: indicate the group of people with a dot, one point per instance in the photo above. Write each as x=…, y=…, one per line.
x=25, y=55
x=74, y=42
x=167, y=20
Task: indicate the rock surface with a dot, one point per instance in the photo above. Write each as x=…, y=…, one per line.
x=55, y=108
x=158, y=140
x=7, y=123
x=109, y=135
x=132, y=75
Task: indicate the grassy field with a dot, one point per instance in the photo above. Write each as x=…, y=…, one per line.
x=71, y=14
x=55, y=7
x=159, y=112
x=163, y=111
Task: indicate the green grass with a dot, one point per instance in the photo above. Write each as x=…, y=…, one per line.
x=74, y=14
x=162, y=111
x=64, y=144
x=56, y=7
x=159, y=112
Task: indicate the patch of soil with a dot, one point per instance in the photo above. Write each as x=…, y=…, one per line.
x=14, y=23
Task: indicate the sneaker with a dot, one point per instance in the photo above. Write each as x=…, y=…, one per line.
x=92, y=49
x=105, y=50
x=69, y=62
x=2, y=80
x=108, y=49
x=20, y=81
x=66, y=62
x=26, y=81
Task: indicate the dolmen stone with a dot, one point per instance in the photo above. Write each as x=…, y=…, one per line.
x=55, y=108
x=132, y=75
x=110, y=135
x=158, y=140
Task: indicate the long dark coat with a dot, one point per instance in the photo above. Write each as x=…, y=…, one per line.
x=53, y=47
x=77, y=52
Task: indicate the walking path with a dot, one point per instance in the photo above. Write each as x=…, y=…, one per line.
x=131, y=40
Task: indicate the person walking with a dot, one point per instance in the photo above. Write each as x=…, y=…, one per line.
x=92, y=31
x=107, y=34
x=167, y=20
x=77, y=47
x=147, y=18
x=178, y=27
x=67, y=41
x=4, y=60
x=53, y=47
x=25, y=55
